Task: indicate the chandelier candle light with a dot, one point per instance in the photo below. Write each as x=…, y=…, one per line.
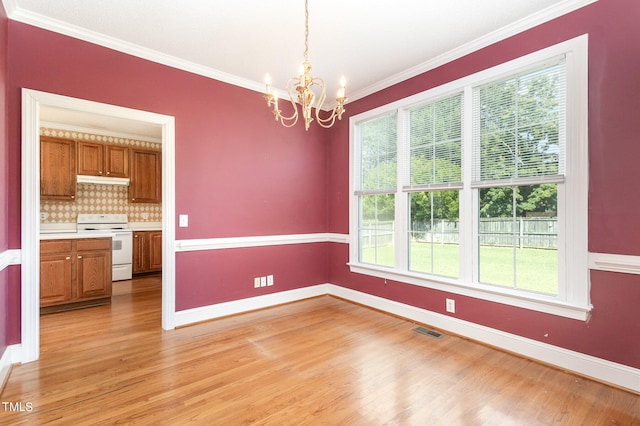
x=306, y=96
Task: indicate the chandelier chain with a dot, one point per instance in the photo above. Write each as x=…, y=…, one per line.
x=306, y=30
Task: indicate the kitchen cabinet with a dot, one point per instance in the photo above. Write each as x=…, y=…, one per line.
x=155, y=250
x=74, y=273
x=147, y=251
x=57, y=169
x=146, y=176
x=93, y=268
x=96, y=159
x=55, y=272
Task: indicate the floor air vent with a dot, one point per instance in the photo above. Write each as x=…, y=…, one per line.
x=428, y=332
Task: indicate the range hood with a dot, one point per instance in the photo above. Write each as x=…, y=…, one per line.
x=102, y=180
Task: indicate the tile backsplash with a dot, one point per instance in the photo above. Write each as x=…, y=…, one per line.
x=93, y=198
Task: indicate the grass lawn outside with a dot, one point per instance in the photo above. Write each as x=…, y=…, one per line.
x=536, y=269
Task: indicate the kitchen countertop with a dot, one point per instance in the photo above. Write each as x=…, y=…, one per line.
x=73, y=235
x=145, y=226
x=52, y=231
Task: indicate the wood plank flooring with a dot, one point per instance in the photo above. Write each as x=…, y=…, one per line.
x=317, y=361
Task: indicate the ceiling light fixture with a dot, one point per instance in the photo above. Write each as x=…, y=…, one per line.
x=305, y=87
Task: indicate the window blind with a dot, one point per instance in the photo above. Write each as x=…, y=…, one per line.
x=519, y=128
x=435, y=145
x=378, y=155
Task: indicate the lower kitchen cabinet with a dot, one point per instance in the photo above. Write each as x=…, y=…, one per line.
x=147, y=251
x=74, y=273
x=155, y=250
x=93, y=267
x=55, y=272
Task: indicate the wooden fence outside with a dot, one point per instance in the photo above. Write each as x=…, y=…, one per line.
x=524, y=232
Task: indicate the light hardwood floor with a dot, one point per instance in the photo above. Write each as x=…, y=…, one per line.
x=317, y=361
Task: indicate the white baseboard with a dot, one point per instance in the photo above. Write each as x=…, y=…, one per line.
x=10, y=356
x=205, y=313
x=599, y=369
x=5, y=367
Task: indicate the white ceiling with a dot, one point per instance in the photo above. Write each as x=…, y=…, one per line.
x=373, y=43
x=80, y=121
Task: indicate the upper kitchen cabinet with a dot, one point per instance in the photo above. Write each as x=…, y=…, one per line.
x=146, y=176
x=57, y=169
x=103, y=160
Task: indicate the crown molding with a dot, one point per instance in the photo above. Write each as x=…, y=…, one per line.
x=41, y=21
x=503, y=33
x=57, y=26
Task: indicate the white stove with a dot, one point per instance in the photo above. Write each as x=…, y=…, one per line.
x=122, y=239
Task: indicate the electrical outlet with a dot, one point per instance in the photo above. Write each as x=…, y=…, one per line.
x=269, y=279
x=451, y=306
x=263, y=281
x=256, y=282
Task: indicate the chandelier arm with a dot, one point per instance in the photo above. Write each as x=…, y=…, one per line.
x=285, y=124
x=293, y=118
x=331, y=119
x=319, y=82
x=328, y=121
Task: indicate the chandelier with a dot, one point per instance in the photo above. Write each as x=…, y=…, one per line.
x=306, y=87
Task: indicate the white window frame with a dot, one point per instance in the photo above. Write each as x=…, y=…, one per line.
x=573, y=299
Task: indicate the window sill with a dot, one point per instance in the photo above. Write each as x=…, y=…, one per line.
x=538, y=303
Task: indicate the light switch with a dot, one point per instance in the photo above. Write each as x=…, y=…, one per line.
x=184, y=220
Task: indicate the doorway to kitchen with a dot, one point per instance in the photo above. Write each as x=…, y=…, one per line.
x=33, y=103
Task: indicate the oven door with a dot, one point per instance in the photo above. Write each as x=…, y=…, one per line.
x=122, y=255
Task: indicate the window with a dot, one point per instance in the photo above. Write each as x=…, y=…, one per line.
x=434, y=163
x=377, y=183
x=519, y=139
x=468, y=187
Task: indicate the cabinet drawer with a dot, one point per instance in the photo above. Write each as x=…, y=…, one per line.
x=55, y=246
x=93, y=244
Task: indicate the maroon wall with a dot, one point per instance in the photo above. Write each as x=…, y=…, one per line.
x=4, y=242
x=614, y=194
x=230, y=272
x=238, y=173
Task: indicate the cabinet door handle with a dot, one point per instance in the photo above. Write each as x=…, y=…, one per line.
x=73, y=196
x=67, y=258
x=79, y=257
